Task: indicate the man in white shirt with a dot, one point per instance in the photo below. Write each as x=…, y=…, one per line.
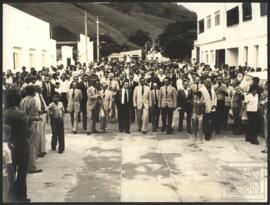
x=63, y=89
x=123, y=102
x=142, y=101
x=42, y=110
x=251, y=103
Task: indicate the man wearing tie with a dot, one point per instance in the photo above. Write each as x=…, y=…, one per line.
x=142, y=102
x=74, y=96
x=185, y=105
x=93, y=98
x=195, y=87
x=123, y=103
x=133, y=84
x=83, y=86
x=155, y=109
x=106, y=105
x=48, y=90
x=167, y=103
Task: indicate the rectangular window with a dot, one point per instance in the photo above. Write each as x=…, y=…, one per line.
x=17, y=58
x=208, y=22
x=245, y=55
x=256, y=56
x=201, y=26
x=233, y=16
x=217, y=18
x=263, y=7
x=247, y=11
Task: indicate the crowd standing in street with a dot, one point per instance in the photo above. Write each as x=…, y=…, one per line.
x=124, y=92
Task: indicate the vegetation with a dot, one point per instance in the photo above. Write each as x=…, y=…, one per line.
x=176, y=41
x=139, y=38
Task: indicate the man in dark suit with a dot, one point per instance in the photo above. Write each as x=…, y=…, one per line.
x=153, y=80
x=185, y=105
x=83, y=86
x=155, y=92
x=48, y=90
x=17, y=121
x=132, y=85
x=121, y=80
x=123, y=102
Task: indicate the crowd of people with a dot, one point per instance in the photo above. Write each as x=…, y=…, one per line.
x=122, y=92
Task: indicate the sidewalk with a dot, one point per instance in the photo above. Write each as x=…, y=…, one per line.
x=157, y=167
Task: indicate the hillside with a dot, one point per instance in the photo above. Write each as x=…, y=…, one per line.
x=119, y=20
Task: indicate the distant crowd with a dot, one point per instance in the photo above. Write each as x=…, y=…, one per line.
x=122, y=92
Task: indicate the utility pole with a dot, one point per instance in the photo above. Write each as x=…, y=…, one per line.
x=85, y=28
x=97, y=39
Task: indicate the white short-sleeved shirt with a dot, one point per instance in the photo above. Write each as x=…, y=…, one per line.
x=6, y=158
x=252, y=102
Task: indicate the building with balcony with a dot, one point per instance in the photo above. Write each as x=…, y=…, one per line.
x=232, y=33
x=26, y=41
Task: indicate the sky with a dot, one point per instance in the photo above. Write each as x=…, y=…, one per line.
x=193, y=6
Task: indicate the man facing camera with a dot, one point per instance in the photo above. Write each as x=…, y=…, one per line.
x=123, y=102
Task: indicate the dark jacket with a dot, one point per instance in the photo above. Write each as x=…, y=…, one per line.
x=118, y=97
x=184, y=101
x=17, y=121
x=83, y=89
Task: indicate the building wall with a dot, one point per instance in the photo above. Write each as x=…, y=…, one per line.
x=27, y=39
x=250, y=35
x=82, y=50
x=67, y=53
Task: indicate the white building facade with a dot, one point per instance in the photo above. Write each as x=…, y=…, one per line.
x=232, y=33
x=82, y=56
x=26, y=41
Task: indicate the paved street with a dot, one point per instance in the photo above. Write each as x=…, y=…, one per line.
x=157, y=167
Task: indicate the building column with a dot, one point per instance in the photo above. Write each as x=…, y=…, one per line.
x=241, y=56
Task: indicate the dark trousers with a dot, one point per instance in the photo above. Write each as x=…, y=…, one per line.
x=208, y=124
x=123, y=117
x=20, y=165
x=226, y=117
x=132, y=114
x=167, y=115
x=236, y=120
x=84, y=115
x=220, y=111
x=64, y=100
x=252, y=127
x=58, y=134
x=155, y=117
x=182, y=112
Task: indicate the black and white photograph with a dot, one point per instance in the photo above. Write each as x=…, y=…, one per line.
x=134, y=101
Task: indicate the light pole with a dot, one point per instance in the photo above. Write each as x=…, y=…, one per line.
x=85, y=27
x=97, y=39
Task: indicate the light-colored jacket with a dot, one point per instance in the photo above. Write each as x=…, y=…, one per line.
x=74, y=104
x=106, y=99
x=170, y=100
x=140, y=101
x=93, y=98
x=209, y=102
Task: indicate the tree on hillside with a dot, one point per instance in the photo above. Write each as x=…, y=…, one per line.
x=139, y=38
x=176, y=41
x=107, y=46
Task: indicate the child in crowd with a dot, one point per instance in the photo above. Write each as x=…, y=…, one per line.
x=8, y=174
x=198, y=110
x=56, y=113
